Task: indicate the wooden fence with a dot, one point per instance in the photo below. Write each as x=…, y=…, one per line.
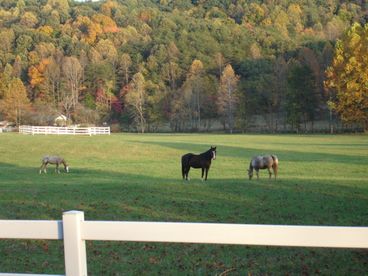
x=74, y=230
x=64, y=130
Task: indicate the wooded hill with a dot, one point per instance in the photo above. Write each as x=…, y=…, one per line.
x=175, y=65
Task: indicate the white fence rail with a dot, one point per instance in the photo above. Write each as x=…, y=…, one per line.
x=74, y=230
x=64, y=130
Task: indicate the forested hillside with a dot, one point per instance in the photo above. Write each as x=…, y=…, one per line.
x=149, y=64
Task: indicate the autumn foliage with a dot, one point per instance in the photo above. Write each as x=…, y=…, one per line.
x=186, y=65
x=347, y=77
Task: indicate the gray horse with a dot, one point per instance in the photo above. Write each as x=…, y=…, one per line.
x=263, y=162
x=56, y=160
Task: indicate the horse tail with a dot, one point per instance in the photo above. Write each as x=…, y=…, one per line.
x=184, y=164
x=182, y=169
x=275, y=165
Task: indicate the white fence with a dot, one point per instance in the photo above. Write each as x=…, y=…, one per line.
x=74, y=230
x=64, y=130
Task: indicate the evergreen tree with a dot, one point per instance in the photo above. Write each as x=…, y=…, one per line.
x=301, y=101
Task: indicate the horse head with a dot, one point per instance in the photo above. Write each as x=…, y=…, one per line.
x=66, y=167
x=213, y=151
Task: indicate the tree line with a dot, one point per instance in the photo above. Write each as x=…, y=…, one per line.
x=184, y=65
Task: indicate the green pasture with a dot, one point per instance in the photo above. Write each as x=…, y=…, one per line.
x=323, y=180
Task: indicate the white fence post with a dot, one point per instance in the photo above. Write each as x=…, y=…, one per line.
x=74, y=245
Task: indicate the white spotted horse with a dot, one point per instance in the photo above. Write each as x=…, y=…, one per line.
x=55, y=160
x=263, y=162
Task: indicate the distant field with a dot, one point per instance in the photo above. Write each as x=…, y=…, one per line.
x=323, y=180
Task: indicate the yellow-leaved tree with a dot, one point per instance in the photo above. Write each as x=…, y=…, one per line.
x=227, y=96
x=193, y=87
x=135, y=99
x=347, y=77
x=14, y=101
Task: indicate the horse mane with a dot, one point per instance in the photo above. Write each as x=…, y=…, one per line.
x=207, y=153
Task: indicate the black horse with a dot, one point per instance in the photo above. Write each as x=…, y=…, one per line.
x=202, y=161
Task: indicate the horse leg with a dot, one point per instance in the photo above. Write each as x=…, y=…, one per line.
x=187, y=173
x=275, y=170
x=202, y=173
x=257, y=173
x=57, y=168
x=207, y=169
x=44, y=168
x=41, y=168
x=269, y=173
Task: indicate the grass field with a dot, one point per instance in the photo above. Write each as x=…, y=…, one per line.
x=323, y=180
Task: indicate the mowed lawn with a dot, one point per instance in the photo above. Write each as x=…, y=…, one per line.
x=323, y=180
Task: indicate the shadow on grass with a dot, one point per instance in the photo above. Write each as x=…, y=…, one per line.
x=246, y=153
x=107, y=195
x=119, y=195
x=324, y=144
